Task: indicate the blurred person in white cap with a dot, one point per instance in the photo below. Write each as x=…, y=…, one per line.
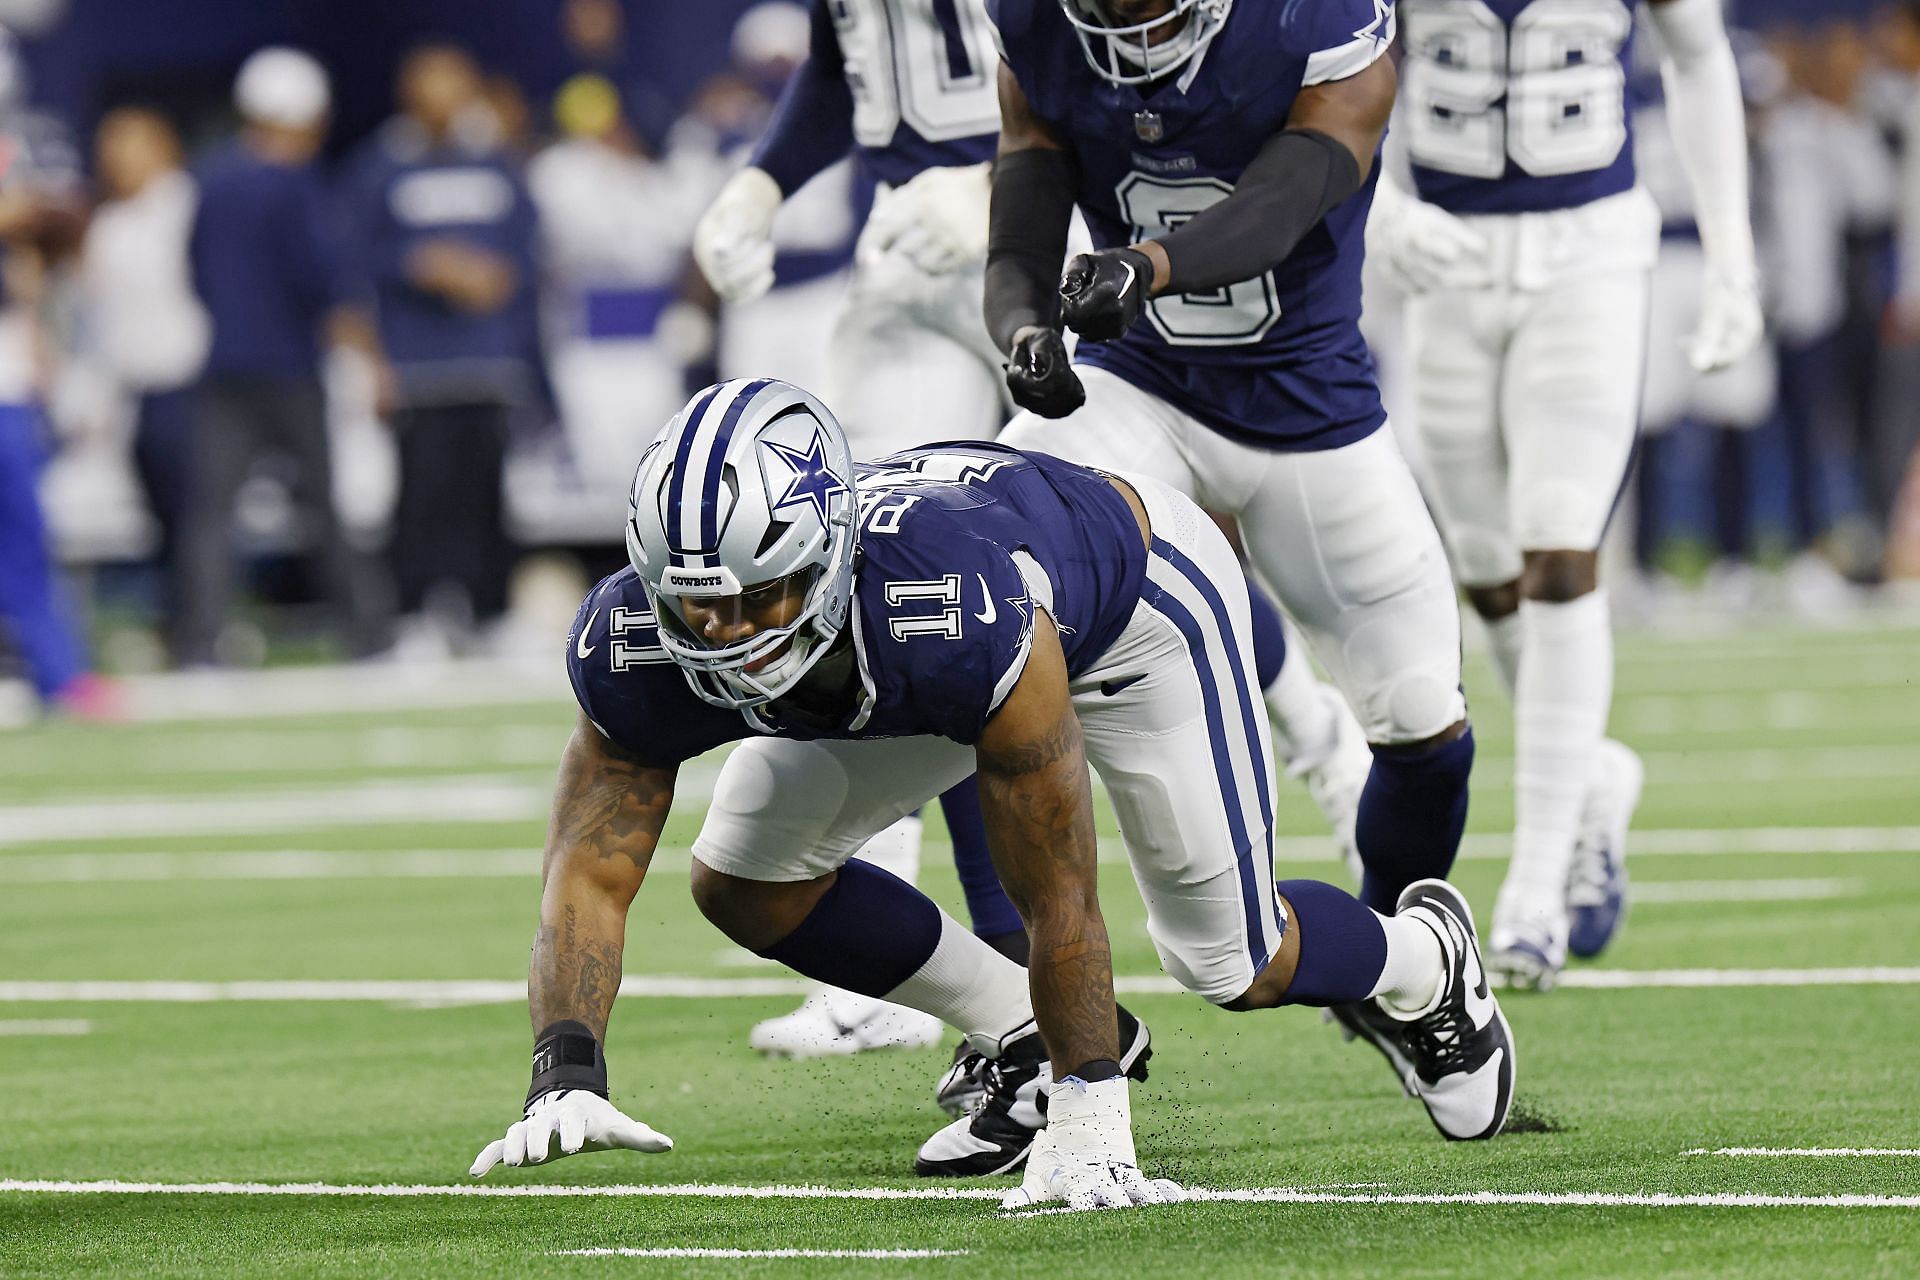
x=266, y=264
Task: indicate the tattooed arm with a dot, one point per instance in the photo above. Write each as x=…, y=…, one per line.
x=607, y=816
x=1037, y=800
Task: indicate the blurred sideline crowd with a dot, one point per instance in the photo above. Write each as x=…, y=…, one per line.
x=388, y=405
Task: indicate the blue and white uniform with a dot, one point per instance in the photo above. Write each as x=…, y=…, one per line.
x=1741, y=396
x=908, y=88
x=1517, y=117
x=1259, y=399
x=961, y=544
x=1276, y=361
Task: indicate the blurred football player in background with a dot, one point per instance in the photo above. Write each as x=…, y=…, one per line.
x=877, y=633
x=1528, y=247
x=1223, y=156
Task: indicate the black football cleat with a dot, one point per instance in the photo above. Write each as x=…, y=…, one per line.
x=996, y=1135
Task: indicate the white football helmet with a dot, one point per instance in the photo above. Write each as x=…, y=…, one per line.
x=1141, y=53
x=741, y=524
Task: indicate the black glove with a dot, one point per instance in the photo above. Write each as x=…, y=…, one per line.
x=1040, y=376
x=1101, y=293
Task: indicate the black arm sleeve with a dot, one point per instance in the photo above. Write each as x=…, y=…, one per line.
x=1027, y=240
x=1296, y=178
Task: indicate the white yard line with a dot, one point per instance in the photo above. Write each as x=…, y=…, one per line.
x=1251, y=1195
x=503, y=991
x=46, y=1027
x=1822, y=1152
x=462, y=864
x=464, y=799
x=1681, y=891
x=359, y=689
x=887, y=1254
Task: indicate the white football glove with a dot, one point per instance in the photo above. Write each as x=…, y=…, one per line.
x=1731, y=325
x=584, y=1122
x=938, y=221
x=1422, y=245
x=1084, y=1158
x=733, y=241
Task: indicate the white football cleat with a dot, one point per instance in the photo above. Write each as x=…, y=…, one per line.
x=1597, y=891
x=1527, y=948
x=1461, y=1050
x=833, y=1022
x=1337, y=774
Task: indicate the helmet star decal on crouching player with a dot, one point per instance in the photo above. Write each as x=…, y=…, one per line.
x=741, y=526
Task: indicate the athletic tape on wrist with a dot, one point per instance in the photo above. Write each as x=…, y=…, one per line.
x=567, y=1056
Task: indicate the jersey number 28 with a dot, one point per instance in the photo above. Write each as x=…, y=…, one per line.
x=1549, y=93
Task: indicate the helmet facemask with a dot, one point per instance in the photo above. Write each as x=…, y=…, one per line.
x=1142, y=52
x=749, y=563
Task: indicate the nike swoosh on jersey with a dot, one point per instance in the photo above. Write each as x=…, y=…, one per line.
x=993, y=610
x=1110, y=688
x=582, y=650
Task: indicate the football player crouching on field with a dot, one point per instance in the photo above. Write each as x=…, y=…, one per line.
x=875, y=633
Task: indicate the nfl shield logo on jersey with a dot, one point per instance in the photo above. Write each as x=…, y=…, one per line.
x=1148, y=127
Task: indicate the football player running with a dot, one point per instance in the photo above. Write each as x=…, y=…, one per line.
x=1223, y=153
x=875, y=634
x=1527, y=250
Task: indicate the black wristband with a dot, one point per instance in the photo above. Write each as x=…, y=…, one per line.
x=566, y=1056
x=1096, y=1071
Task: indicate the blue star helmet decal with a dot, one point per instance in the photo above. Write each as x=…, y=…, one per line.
x=813, y=483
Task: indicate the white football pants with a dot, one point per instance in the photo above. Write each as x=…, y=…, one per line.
x=1181, y=744
x=1340, y=534
x=1529, y=387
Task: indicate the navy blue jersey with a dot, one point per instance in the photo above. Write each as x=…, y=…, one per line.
x=958, y=546
x=909, y=85
x=1518, y=106
x=1276, y=361
x=922, y=76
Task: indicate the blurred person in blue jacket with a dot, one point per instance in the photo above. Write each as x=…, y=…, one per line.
x=265, y=256
x=445, y=233
x=39, y=219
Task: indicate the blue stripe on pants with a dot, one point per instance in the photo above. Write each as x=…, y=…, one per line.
x=1250, y=710
x=1163, y=603
x=30, y=607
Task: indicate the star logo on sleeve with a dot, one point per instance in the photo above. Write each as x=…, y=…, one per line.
x=813, y=484
x=1380, y=31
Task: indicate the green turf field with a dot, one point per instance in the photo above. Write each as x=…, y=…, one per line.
x=368, y=877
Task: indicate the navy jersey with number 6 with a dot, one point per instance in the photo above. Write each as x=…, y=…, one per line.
x=1517, y=106
x=958, y=545
x=1276, y=361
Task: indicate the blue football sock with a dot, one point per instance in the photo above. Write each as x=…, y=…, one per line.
x=869, y=933
x=1412, y=812
x=1343, y=947
x=1269, y=636
x=988, y=907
